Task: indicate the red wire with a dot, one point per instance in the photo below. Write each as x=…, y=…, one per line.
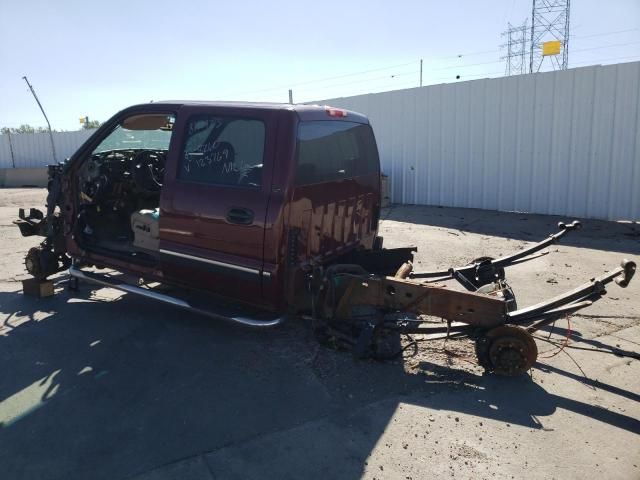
x=566, y=341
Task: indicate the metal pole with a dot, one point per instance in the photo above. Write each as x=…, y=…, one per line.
x=565, y=47
x=523, y=49
x=290, y=96
x=533, y=29
x=420, y=72
x=53, y=147
x=13, y=158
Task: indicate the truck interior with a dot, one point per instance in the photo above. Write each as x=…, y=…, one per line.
x=119, y=186
x=120, y=183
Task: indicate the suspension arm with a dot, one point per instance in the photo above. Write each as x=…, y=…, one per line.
x=480, y=273
x=575, y=299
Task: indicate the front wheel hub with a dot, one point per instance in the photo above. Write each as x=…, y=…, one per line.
x=40, y=263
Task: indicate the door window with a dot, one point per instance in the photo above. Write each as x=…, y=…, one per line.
x=220, y=150
x=333, y=150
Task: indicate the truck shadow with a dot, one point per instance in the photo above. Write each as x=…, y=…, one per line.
x=96, y=388
x=595, y=234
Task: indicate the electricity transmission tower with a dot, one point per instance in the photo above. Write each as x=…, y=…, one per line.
x=516, y=63
x=549, y=35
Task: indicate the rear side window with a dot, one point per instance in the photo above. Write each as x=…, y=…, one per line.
x=332, y=150
x=223, y=151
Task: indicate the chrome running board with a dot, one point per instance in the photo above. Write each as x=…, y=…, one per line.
x=104, y=281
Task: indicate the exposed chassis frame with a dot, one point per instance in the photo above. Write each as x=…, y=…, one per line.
x=357, y=308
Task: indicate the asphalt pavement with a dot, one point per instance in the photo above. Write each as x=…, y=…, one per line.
x=102, y=385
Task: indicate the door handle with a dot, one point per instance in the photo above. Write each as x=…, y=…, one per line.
x=240, y=216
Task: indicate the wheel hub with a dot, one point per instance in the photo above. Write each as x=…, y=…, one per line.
x=512, y=350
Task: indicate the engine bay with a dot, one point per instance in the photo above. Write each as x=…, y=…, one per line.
x=119, y=199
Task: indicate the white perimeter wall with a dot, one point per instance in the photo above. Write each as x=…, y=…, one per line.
x=565, y=143
x=33, y=150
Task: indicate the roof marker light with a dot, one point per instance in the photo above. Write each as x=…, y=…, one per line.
x=335, y=112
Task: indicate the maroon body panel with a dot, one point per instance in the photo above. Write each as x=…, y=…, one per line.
x=334, y=217
x=291, y=227
x=276, y=227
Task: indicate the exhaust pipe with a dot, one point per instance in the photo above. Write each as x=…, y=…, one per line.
x=75, y=272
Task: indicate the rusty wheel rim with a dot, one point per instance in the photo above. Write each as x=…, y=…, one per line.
x=512, y=350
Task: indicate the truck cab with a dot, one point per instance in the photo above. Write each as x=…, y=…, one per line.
x=233, y=199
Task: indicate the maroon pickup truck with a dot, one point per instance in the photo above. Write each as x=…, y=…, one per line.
x=222, y=197
x=254, y=211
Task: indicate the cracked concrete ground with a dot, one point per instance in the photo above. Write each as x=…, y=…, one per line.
x=108, y=386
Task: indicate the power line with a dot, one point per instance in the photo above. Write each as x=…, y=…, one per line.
x=469, y=54
x=499, y=61
x=570, y=36
x=401, y=86
x=309, y=82
x=608, y=59
x=397, y=86
x=485, y=74
x=605, y=33
x=372, y=89
x=390, y=67
x=460, y=55
x=404, y=85
x=475, y=75
x=466, y=65
x=605, y=46
x=328, y=78
x=402, y=74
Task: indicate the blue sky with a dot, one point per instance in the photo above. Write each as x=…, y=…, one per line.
x=94, y=58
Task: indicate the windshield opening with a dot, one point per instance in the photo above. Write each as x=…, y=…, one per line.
x=144, y=137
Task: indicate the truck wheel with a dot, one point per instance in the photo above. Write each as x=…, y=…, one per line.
x=40, y=263
x=507, y=350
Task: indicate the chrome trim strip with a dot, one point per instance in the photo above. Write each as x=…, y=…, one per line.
x=212, y=262
x=177, y=232
x=176, y=302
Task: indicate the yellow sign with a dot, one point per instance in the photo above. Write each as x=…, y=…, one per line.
x=551, y=48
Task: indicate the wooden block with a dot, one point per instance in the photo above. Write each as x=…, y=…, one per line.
x=37, y=288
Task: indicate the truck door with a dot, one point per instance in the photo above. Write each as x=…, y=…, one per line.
x=214, y=199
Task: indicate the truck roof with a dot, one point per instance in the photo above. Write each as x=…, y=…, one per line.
x=304, y=111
